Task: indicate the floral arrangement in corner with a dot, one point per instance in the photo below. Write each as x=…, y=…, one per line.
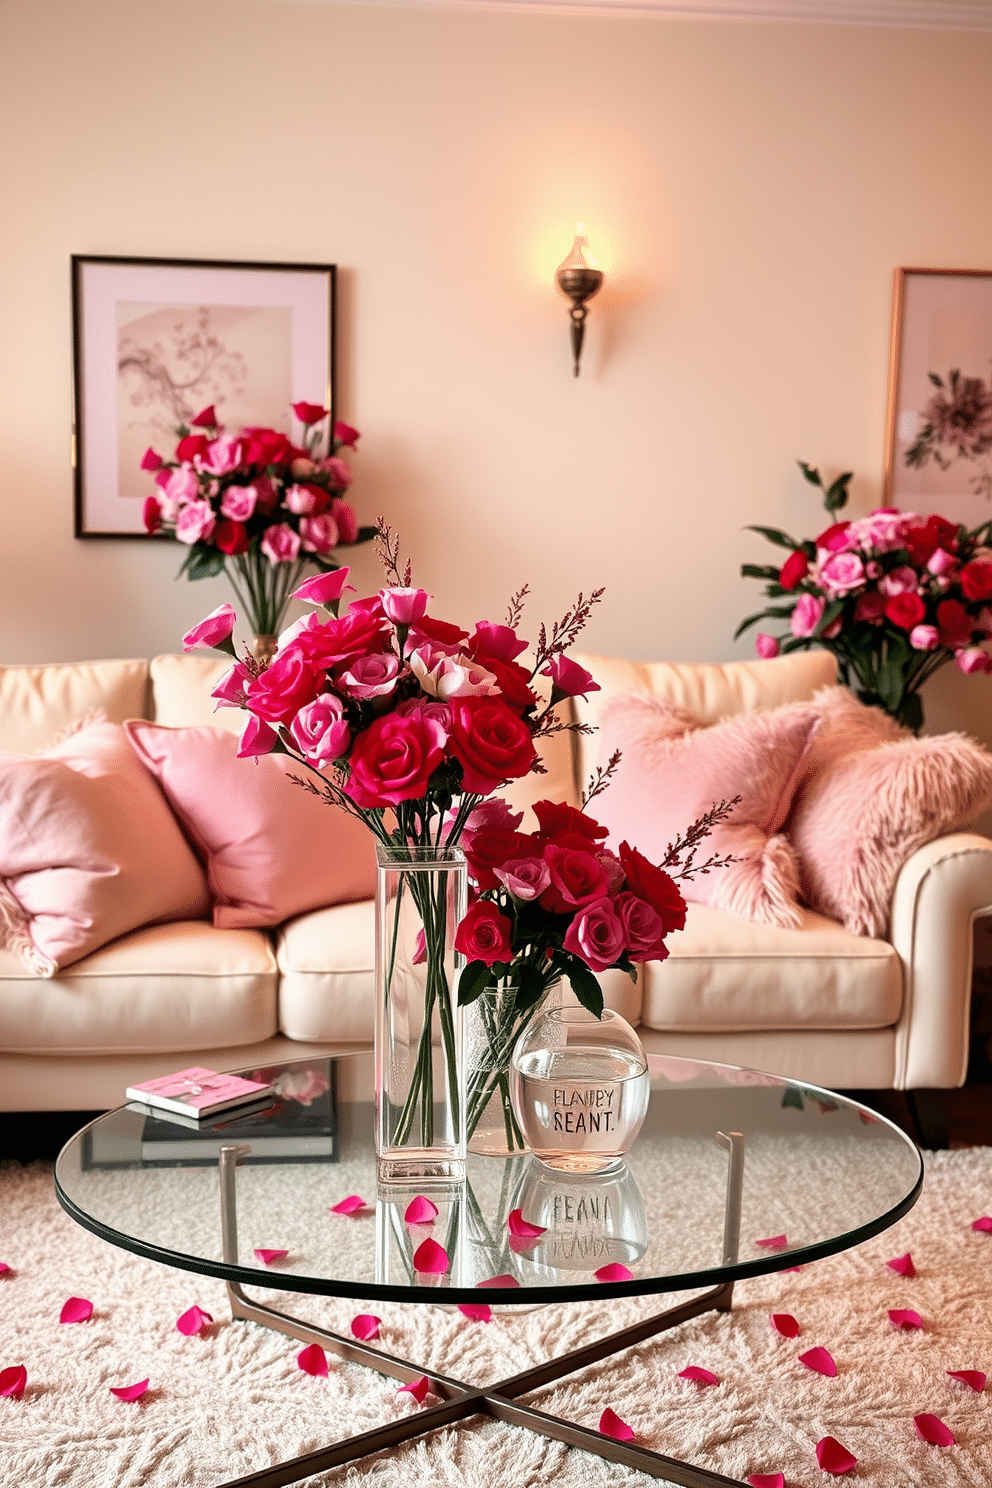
x=895, y=596
x=255, y=506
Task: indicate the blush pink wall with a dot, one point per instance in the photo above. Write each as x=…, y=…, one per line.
x=749, y=189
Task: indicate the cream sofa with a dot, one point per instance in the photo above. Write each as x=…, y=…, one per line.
x=815, y=1003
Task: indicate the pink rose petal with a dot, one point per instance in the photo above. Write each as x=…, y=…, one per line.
x=614, y=1272
x=610, y=1424
x=350, y=1205
x=820, y=1360
x=193, y=1321
x=902, y=1265
x=904, y=1317
x=430, y=1259
x=312, y=1359
x=766, y=1480
x=784, y=1323
x=505, y=1280
x=973, y=1378
x=269, y=1257
x=833, y=1457
x=76, y=1310
x=365, y=1326
x=933, y=1430
x=698, y=1375
x=522, y=1228
x=774, y=1242
x=13, y=1380
x=418, y=1388
x=985, y=1223
x=420, y=1211
x=476, y=1312
x=129, y=1392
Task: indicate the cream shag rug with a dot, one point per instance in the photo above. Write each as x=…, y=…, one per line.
x=233, y=1400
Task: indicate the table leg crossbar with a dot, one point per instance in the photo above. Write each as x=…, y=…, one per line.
x=501, y=1401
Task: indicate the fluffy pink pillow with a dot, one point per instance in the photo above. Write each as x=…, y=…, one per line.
x=874, y=794
x=89, y=850
x=673, y=771
x=272, y=851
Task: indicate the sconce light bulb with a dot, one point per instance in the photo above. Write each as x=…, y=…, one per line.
x=580, y=256
x=579, y=277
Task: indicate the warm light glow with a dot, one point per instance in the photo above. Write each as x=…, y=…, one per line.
x=579, y=256
x=548, y=244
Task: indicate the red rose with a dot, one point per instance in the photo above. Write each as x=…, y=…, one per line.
x=577, y=878
x=976, y=579
x=191, y=446
x=794, y=569
x=490, y=741
x=267, y=447
x=834, y=539
x=150, y=460
x=654, y=885
x=338, y=642
x=484, y=934
x=513, y=682
x=643, y=929
x=309, y=413
x=394, y=759
x=429, y=629
x=231, y=537
x=491, y=847
x=923, y=541
x=205, y=419
x=345, y=435
x=595, y=935
x=870, y=607
x=283, y=688
x=905, y=610
x=955, y=624
x=151, y=514
x=321, y=498
x=555, y=817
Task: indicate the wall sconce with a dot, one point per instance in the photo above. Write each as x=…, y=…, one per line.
x=578, y=277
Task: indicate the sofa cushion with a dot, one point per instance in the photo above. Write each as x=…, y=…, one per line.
x=180, y=693
x=725, y=973
x=38, y=702
x=180, y=988
x=327, y=979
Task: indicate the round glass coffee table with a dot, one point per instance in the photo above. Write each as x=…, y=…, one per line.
x=733, y=1174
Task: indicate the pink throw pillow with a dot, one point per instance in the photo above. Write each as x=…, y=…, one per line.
x=89, y=851
x=271, y=849
x=673, y=771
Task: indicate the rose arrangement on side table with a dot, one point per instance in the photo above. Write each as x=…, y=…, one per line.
x=895, y=596
x=255, y=506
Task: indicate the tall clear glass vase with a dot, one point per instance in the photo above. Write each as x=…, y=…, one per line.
x=492, y=1027
x=421, y=896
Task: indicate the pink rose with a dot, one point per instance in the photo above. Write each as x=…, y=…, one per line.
x=491, y=813
x=524, y=877
x=213, y=631
x=569, y=679
x=596, y=935
x=806, y=616
x=286, y=686
x=318, y=534
x=256, y=738
x=230, y=690
x=345, y=435
x=300, y=499
x=484, y=934
x=370, y=676
x=182, y=485
x=151, y=514
x=575, y=878
x=301, y=467
x=941, y=562
x=320, y=730
x=497, y=641
x=836, y=539
x=973, y=659
x=393, y=760
x=841, y=573
x=883, y=530
x=899, y=581
x=404, y=606
x=339, y=471
x=426, y=708
x=238, y=503
x=150, y=460
x=309, y=413
x=924, y=637
x=345, y=517
x=643, y=928
x=280, y=544
x=324, y=587
x=446, y=677
x=766, y=645
x=223, y=455
x=195, y=522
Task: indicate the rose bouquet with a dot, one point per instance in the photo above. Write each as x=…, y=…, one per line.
x=255, y=506
x=895, y=596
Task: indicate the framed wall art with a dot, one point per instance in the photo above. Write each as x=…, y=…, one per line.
x=939, y=418
x=155, y=340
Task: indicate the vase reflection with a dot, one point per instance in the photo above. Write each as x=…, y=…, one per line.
x=589, y=1220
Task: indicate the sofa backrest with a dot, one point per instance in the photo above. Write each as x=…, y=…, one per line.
x=180, y=693
x=38, y=702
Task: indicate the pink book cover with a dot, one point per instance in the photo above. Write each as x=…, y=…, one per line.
x=197, y=1091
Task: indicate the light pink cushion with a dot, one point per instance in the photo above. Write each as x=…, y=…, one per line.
x=271, y=849
x=673, y=771
x=89, y=851
x=874, y=794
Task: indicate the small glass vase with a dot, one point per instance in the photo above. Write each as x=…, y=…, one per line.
x=580, y=1088
x=421, y=896
x=492, y=1027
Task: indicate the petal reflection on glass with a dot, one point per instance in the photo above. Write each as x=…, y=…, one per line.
x=590, y=1220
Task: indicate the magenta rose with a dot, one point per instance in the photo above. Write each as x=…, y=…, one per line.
x=286, y=686
x=484, y=934
x=182, y=485
x=806, y=616
x=643, y=928
x=525, y=878
x=222, y=455
x=238, y=503
x=337, y=642
x=490, y=741
x=500, y=642
x=493, y=812
x=794, y=569
x=309, y=413
x=195, y=522
x=150, y=460
x=151, y=514
x=206, y=418
x=765, y=645
x=212, y=631
x=556, y=819
x=569, y=679
x=320, y=730
x=344, y=515
x=577, y=878
x=596, y=935
x=324, y=588
x=257, y=737
x=836, y=539
x=339, y=471
x=345, y=435
x=318, y=534
x=230, y=690
x=370, y=676
x=393, y=760
x=280, y=544
x=976, y=579
x=898, y=581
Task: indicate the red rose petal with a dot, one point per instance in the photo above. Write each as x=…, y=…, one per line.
x=76, y=1310
x=614, y=1272
x=904, y=1317
x=430, y=1259
x=420, y=1211
x=973, y=1378
x=365, y=1326
x=6, y=1270
x=521, y=1228
x=902, y=1265
x=697, y=1375
x=312, y=1359
x=476, y=1312
x=983, y=1224
x=418, y=1388
x=933, y=1430
x=766, y=1480
x=193, y=1321
x=13, y=1380
x=833, y=1457
x=350, y=1205
x=610, y=1424
x=774, y=1242
x=784, y=1323
x=505, y=1280
x=129, y=1392
x=269, y=1257
x=820, y=1360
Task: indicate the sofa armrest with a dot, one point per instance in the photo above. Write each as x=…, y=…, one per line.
x=941, y=890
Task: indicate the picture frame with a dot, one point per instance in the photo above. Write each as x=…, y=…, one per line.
x=156, y=340
x=938, y=425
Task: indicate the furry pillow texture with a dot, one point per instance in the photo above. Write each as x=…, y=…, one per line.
x=673, y=771
x=869, y=795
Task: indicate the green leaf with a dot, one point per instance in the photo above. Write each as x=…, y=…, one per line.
x=798, y=643
x=204, y=563
x=837, y=493
x=813, y=476
x=774, y=612
x=472, y=982
x=586, y=987
x=530, y=987
x=774, y=535
x=365, y=534
x=758, y=571
x=833, y=609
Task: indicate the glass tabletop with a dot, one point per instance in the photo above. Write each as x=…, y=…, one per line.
x=794, y=1171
